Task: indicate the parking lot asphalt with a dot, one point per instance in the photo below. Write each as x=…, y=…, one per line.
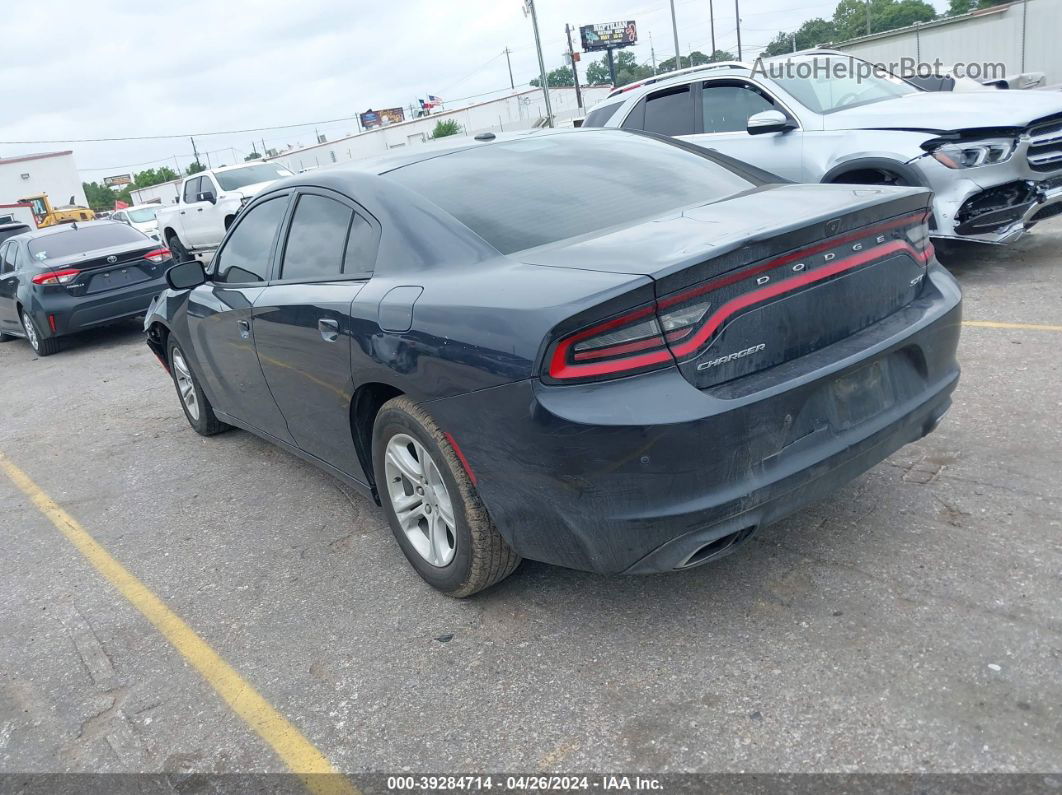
x=912, y=622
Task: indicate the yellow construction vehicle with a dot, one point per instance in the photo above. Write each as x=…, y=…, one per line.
x=46, y=215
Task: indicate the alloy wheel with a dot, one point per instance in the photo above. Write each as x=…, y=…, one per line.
x=420, y=500
x=31, y=331
x=184, y=384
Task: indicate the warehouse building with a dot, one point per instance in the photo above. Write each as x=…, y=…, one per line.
x=1022, y=35
x=53, y=173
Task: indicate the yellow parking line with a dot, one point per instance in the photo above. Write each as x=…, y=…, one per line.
x=298, y=753
x=994, y=324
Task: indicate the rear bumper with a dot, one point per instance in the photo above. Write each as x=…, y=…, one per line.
x=648, y=473
x=67, y=314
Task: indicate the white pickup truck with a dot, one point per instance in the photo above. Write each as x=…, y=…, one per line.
x=208, y=203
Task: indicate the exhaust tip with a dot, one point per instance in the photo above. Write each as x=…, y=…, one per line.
x=716, y=548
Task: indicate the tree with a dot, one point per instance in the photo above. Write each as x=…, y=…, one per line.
x=811, y=34
x=154, y=176
x=957, y=7
x=253, y=156
x=194, y=168
x=445, y=128
x=597, y=72
x=100, y=197
x=850, y=17
x=561, y=76
x=628, y=70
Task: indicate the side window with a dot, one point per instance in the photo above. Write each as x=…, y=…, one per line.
x=670, y=112
x=191, y=188
x=206, y=185
x=360, y=257
x=727, y=106
x=7, y=259
x=316, y=239
x=247, y=253
x=119, y=217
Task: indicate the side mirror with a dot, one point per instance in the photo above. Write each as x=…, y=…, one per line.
x=768, y=121
x=206, y=196
x=186, y=275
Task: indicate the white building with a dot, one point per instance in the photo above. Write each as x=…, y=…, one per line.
x=1021, y=35
x=521, y=110
x=54, y=173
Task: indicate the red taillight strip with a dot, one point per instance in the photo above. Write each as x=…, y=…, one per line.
x=785, y=259
x=735, y=305
x=560, y=368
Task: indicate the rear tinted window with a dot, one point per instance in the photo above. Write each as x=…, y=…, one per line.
x=82, y=240
x=598, y=117
x=530, y=192
x=670, y=112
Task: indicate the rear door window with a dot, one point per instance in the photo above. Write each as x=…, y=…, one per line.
x=317, y=239
x=670, y=112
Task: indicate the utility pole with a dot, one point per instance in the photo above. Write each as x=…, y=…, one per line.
x=794, y=42
x=575, y=68
x=263, y=148
x=529, y=6
x=512, y=85
x=711, y=24
x=611, y=65
x=195, y=152
x=674, y=29
x=737, y=21
x=652, y=52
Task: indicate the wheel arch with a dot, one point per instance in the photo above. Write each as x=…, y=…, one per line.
x=365, y=404
x=863, y=164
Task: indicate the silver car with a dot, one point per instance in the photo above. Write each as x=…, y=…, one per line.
x=993, y=159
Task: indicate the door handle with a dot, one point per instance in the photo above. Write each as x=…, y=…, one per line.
x=182, y=212
x=329, y=329
x=245, y=328
x=199, y=209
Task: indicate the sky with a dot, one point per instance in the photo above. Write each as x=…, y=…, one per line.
x=113, y=68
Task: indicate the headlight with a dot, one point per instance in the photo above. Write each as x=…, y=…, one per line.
x=975, y=153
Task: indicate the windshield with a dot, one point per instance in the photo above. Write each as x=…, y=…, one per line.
x=830, y=84
x=249, y=175
x=83, y=240
x=525, y=193
x=142, y=216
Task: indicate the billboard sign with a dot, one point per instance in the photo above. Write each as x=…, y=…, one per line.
x=608, y=35
x=371, y=119
x=118, y=180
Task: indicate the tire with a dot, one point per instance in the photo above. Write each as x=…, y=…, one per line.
x=177, y=249
x=41, y=346
x=194, y=403
x=469, y=556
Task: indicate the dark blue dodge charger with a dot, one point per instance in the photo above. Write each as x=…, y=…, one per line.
x=594, y=348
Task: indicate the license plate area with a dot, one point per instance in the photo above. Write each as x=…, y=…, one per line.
x=115, y=278
x=861, y=395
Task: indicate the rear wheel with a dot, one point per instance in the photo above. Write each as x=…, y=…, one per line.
x=432, y=505
x=196, y=405
x=42, y=346
x=177, y=249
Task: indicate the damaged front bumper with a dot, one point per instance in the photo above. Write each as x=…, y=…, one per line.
x=991, y=204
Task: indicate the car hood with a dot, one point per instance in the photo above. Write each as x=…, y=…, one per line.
x=251, y=191
x=943, y=111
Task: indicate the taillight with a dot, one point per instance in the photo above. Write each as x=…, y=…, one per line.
x=56, y=277
x=629, y=343
x=158, y=255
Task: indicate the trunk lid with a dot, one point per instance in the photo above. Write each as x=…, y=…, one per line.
x=98, y=273
x=751, y=282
